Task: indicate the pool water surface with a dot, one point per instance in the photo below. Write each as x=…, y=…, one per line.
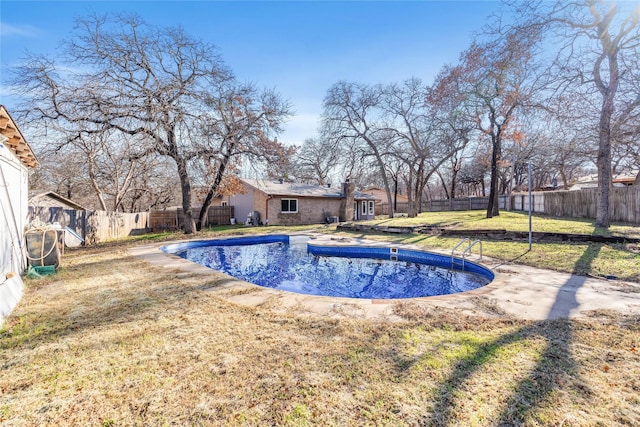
x=352, y=272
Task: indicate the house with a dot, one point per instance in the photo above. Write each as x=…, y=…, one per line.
x=401, y=201
x=16, y=157
x=623, y=179
x=381, y=195
x=284, y=203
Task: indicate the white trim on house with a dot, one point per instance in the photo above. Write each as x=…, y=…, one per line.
x=289, y=210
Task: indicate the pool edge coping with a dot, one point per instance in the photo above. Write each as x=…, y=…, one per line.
x=497, y=298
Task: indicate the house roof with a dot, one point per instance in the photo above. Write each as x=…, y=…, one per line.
x=49, y=198
x=15, y=141
x=627, y=177
x=275, y=188
x=591, y=181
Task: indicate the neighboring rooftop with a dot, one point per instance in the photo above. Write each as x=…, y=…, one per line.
x=618, y=180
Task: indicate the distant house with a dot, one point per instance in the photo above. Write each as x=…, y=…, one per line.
x=401, y=201
x=16, y=157
x=283, y=203
x=381, y=195
x=623, y=179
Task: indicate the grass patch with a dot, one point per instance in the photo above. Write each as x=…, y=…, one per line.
x=596, y=259
x=588, y=259
x=111, y=340
x=512, y=221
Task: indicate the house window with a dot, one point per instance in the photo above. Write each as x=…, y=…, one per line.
x=223, y=203
x=371, y=208
x=364, y=208
x=289, y=205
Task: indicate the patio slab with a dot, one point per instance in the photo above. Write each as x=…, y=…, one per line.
x=517, y=291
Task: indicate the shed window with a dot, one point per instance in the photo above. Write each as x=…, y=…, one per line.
x=289, y=205
x=364, y=208
x=371, y=208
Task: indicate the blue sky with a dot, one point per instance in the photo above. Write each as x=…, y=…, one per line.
x=299, y=48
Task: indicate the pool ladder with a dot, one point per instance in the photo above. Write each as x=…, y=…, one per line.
x=466, y=251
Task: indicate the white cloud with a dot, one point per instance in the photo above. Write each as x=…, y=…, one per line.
x=8, y=30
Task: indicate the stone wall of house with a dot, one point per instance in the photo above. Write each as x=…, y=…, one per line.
x=310, y=211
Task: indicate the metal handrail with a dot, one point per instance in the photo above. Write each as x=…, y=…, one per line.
x=469, y=249
x=466, y=239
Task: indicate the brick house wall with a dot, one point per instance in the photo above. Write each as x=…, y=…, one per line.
x=311, y=210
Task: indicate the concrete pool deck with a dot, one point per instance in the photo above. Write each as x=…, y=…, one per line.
x=518, y=291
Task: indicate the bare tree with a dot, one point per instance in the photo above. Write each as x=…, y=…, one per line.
x=145, y=82
x=418, y=142
x=352, y=116
x=242, y=123
x=598, y=44
x=492, y=81
x=316, y=159
x=497, y=81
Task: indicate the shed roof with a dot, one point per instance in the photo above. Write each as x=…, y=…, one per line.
x=36, y=198
x=15, y=141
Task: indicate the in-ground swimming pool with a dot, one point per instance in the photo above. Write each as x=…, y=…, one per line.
x=295, y=264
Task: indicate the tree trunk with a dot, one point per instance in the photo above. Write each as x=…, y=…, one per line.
x=383, y=173
x=94, y=183
x=395, y=192
x=444, y=185
x=212, y=192
x=185, y=185
x=563, y=176
x=492, y=207
x=453, y=182
x=604, y=136
x=604, y=172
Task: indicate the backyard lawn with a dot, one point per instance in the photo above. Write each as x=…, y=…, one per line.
x=588, y=259
x=111, y=340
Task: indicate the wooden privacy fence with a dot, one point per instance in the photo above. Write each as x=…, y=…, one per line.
x=459, y=204
x=93, y=226
x=624, y=203
x=173, y=218
x=103, y=226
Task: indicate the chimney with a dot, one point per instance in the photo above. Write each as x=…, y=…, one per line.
x=328, y=185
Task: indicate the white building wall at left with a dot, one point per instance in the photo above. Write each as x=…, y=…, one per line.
x=13, y=199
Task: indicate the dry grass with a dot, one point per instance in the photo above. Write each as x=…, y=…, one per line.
x=586, y=259
x=512, y=221
x=111, y=341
